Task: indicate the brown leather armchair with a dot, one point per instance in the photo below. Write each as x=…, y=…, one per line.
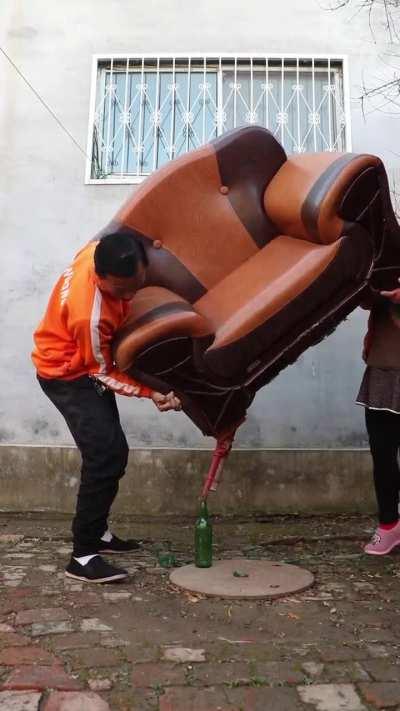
x=253, y=257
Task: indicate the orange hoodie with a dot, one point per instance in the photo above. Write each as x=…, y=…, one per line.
x=74, y=337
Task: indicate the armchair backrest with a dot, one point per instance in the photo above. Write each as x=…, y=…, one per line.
x=313, y=195
x=201, y=215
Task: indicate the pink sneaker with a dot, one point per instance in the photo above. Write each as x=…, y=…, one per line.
x=383, y=541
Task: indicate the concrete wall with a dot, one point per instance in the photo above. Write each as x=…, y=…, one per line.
x=47, y=212
x=161, y=482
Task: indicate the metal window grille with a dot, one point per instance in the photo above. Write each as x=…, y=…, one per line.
x=146, y=111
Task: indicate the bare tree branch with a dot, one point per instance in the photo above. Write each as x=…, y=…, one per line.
x=388, y=90
x=382, y=94
x=388, y=6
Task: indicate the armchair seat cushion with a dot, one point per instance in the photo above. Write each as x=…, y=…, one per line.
x=275, y=290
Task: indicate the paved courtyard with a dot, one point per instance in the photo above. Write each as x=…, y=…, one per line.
x=142, y=645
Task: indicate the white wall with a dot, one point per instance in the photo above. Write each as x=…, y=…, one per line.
x=47, y=212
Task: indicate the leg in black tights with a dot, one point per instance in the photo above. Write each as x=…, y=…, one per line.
x=383, y=429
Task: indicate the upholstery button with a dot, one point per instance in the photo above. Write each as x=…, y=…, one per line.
x=224, y=190
x=157, y=244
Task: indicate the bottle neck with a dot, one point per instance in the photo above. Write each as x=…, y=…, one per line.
x=203, y=513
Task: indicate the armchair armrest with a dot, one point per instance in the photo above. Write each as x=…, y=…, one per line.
x=313, y=195
x=156, y=313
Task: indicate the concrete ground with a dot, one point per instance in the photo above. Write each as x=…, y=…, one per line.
x=142, y=645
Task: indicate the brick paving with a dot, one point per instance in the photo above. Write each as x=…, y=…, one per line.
x=142, y=645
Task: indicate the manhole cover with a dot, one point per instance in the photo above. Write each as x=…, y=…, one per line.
x=241, y=578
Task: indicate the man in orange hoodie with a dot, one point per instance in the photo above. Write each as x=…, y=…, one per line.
x=75, y=369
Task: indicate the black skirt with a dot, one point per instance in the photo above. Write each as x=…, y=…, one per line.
x=380, y=389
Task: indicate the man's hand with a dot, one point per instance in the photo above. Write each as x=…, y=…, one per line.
x=394, y=295
x=166, y=402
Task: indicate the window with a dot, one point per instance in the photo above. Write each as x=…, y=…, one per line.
x=147, y=111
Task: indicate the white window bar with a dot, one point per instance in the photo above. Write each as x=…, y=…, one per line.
x=220, y=107
x=282, y=112
x=173, y=101
x=107, y=148
x=140, y=144
x=156, y=116
x=146, y=110
x=124, y=119
x=329, y=104
x=187, y=116
x=250, y=116
x=266, y=92
x=203, y=113
x=313, y=115
x=234, y=94
x=298, y=144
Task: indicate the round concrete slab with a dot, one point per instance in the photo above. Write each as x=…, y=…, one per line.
x=243, y=578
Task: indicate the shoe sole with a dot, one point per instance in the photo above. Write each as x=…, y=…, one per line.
x=110, y=552
x=385, y=552
x=119, y=576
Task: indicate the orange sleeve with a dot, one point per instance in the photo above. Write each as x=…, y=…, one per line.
x=92, y=331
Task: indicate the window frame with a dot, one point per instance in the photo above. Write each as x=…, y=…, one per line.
x=342, y=77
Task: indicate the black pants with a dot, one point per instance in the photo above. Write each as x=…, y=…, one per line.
x=383, y=429
x=93, y=420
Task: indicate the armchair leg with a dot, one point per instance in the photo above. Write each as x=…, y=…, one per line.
x=221, y=451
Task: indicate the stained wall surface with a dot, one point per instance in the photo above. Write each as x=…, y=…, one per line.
x=48, y=212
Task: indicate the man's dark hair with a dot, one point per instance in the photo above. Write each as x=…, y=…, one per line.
x=119, y=254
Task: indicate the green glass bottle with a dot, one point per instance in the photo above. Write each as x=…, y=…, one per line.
x=203, y=538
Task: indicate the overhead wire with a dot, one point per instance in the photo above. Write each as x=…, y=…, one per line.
x=44, y=103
